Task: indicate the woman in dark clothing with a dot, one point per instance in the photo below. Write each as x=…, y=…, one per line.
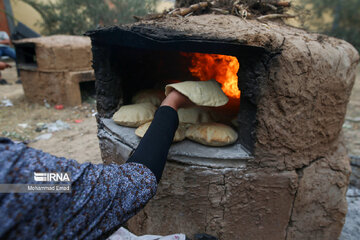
x=103, y=197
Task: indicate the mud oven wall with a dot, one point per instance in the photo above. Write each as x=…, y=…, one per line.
x=295, y=88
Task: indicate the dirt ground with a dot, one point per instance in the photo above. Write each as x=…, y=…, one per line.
x=79, y=142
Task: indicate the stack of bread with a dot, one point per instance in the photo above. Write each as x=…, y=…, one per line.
x=196, y=123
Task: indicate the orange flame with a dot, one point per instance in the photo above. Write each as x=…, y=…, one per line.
x=222, y=68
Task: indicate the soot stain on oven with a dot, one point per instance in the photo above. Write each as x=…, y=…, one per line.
x=127, y=62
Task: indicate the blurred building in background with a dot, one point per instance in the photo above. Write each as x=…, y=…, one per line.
x=20, y=23
x=24, y=13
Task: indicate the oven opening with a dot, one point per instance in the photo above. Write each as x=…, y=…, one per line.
x=148, y=69
x=87, y=90
x=26, y=56
x=154, y=70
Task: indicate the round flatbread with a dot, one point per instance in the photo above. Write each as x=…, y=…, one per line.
x=134, y=115
x=179, y=134
x=212, y=134
x=193, y=115
x=202, y=93
x=152, y=96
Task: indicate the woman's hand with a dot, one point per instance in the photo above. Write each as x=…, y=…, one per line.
x=177, y=100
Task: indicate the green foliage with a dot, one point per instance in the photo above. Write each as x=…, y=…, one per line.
x=344, y=15
x=78, y=16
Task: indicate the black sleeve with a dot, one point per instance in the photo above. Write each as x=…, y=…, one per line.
x=154, y=146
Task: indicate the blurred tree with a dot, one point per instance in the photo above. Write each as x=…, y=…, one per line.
x=77, y=16
x=338, y=18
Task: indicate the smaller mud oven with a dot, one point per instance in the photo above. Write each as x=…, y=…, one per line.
x=286, y=176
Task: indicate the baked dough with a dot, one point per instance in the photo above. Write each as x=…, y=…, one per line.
x=152, y=96
x=134, y=115
x=212, y=134
x=179, y=134
x=202, y=93
x=193, y=115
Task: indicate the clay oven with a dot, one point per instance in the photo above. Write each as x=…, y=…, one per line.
x=56, y=69
x=287, y=175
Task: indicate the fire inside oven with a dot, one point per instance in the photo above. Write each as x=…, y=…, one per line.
x=224, y=70
x=127, y=63
x=147, y=69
